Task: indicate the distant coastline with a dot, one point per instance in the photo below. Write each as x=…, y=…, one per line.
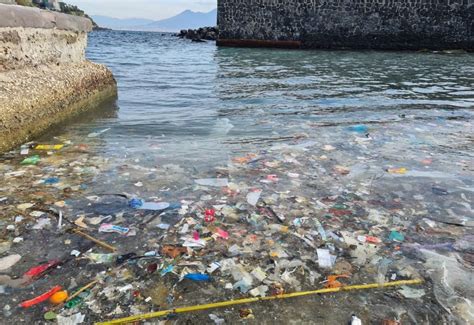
x=185, y=20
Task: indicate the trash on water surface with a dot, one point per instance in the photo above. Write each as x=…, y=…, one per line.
x=198, y=277
x=98, y=133
x=8, y=261
x=58, y=297
x=360, y=128
x=399, y=171
x=215, y=182
x=106, y=227
x=154, y=206
x=71, y=320
x=355, y=320
x=41, y=298
x=33, y=160
x=396, y=236
x=325, y=258
x=284, y=216
x=253, y=197
x=49, y=146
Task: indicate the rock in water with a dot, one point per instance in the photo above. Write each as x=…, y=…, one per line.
x=200, y=34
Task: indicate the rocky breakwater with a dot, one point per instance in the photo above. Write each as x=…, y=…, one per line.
x=200, y=35
x=44, y=76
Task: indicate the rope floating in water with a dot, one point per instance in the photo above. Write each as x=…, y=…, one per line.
x=221, y=304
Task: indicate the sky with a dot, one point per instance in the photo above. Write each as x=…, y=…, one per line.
x=151, y=9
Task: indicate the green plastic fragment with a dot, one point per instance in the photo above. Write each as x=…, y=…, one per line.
x=50, y=315
x=396, y=236
x=33, y=160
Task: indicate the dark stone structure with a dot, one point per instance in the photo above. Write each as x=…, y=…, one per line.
x=357, y=24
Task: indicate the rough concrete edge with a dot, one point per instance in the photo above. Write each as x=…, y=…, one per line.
x=20, y=16
x=35, y=128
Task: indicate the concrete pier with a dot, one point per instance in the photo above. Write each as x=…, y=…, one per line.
x=44, y=75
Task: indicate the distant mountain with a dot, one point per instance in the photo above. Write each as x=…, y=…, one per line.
x=186, y=20
x=117, y=23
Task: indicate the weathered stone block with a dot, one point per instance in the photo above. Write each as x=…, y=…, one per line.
x=373, y=24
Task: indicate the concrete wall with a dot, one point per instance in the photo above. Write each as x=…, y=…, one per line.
x=44, y=75
x=31, y=37
x=23, y=47
x=364, y=24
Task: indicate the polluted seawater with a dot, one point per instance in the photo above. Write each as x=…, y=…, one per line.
x=242, y=173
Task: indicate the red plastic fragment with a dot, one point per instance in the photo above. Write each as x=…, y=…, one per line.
x=39, y=271
x=37, y=300
x=210, y=215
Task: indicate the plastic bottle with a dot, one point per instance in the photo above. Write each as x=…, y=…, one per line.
x=382, y=270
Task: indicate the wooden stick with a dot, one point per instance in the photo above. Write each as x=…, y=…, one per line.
x=81, y=290
x=98, y=242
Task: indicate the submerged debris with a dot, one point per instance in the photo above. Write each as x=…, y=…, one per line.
x=296, y=214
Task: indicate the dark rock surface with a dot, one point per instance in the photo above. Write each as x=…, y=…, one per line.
x=360, y=24
x=201, y=34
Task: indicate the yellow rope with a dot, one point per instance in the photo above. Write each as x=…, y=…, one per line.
x=221, y=304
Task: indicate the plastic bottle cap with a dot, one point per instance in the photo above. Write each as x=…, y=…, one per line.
x=58, y=297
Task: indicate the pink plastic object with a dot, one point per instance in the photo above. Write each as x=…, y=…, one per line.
x=222, y=233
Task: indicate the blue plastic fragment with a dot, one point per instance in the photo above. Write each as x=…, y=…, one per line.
x=135, y=203
x=51, y=180
x=167, y=270
x=359, y=128
x=199, y=277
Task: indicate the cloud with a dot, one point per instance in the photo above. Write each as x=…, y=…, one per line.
x=151, y=9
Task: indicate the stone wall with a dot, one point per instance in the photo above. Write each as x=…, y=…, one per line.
x=44, y=75
x=359, y=24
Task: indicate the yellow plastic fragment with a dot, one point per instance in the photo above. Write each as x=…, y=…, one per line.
x=221, y=304
x=49, y=147
x=399, y=171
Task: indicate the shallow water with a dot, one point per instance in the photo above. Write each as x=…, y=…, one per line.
x=366, y=142
x=188, y=98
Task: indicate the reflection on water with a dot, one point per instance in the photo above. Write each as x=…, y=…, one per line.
x=187, y=98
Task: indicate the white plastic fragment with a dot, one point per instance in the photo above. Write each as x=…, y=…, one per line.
x=355, y=320
x=259, y=274
x=154, y=206
x=253, y=197
x=215, y=182
x=325, y=259
x=214, y=266
x=259, y=291
x=216, y=319
x=71, y=320
x=42, y=223
x=8, y=261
